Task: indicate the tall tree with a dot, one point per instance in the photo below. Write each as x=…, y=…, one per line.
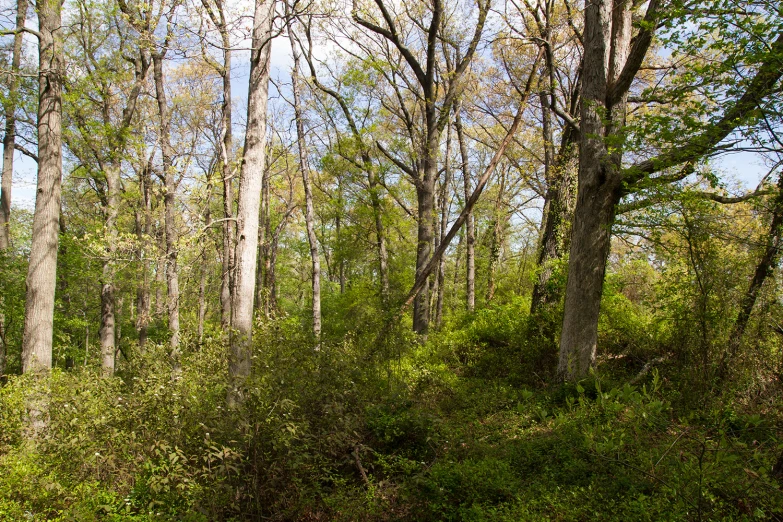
x=436, y=97
x=9, y=138
x=250, y=181
x=305, y=170
x=42, y=271
x=217, y=15
x=612, y=60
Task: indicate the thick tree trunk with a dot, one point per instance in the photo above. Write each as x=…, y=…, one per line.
x=470, y=226
x=107, y=327
x=169, y=208
x=607, y=37
x=251, y=175
x=425, y=195
x=41, y=274
x=560, y=200
x=309, y=211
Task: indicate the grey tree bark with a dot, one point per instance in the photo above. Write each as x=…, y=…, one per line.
x=437, y=103
x=42, y=271
x=169, y=206
x=217, y=15
x=607, y=39
x=9, y=138
x=251, y=175
x=9, y=146
x=470, y=227
x=305, y=170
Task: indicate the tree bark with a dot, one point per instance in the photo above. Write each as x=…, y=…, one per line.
x=470, y=227
x=764, y=269
x=143, y=235
x=9, y=142
x=41, y=274
x=607, y=37
x=107, y=328
x=169, y=208
x=309, y=211
x=496, y=239
x=251, y=175
x=9, y=138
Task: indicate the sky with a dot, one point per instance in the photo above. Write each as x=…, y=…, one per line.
x=745, y=167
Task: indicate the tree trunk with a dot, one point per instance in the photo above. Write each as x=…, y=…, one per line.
x=9, y=138
x=169, y=208
x=41, y=274
x=607, y=37
x=470, y=226
x=229, y=225
x=143, y=230
x=309, y=212
x=202, y=283
x=444, y=223
x=425, y=196
x=251, y=175
x=107, y=327
x=264, y=233
x=764, y=269
x=560, y=200
x=496, y=239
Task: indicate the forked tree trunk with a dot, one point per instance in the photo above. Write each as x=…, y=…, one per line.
x=42, y=271
x=251, y=175
x=607, y=37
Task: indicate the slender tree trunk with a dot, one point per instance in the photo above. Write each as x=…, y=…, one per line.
x=143, y=235
x=607, y=38
x=202, y=284
x=160, y=274
x=41, y=274
x=764, y=269
x=9, y=138
x=251, y=175
x=470, y=226
x=263, y=233
x=229, y=226
x=309, y=211
x=9, y=143
x=444, y=223
x=169, y=208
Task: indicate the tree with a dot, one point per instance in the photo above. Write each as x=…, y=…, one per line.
x=42, y=271
x=250, y=180
x=436, y=105
x=611, y=62
x=305, y=170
